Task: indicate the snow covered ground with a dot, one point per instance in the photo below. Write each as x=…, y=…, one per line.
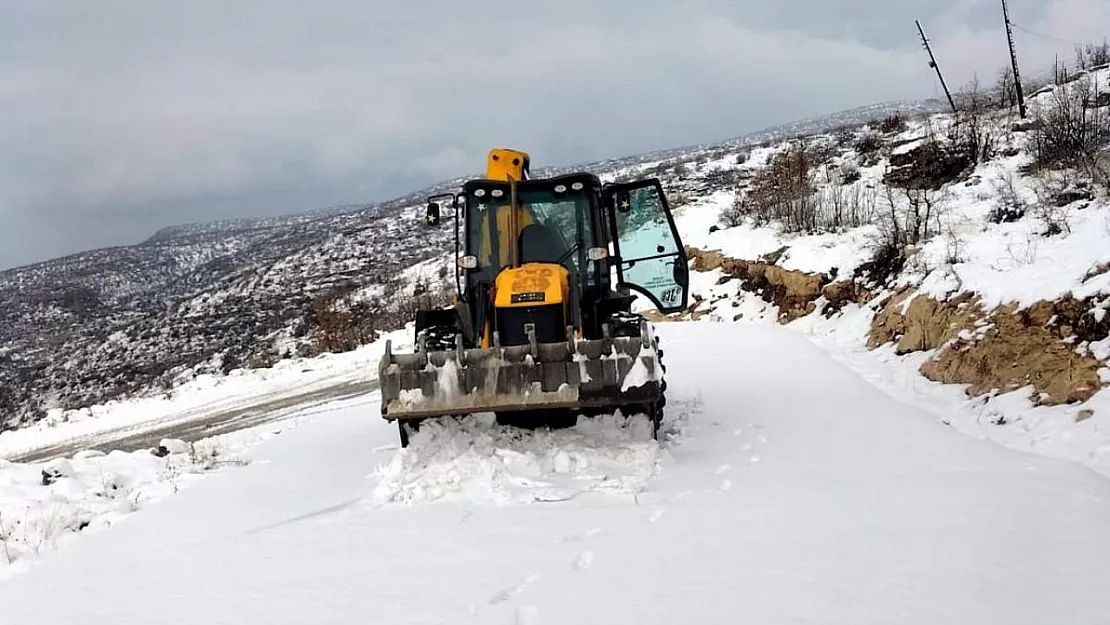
x=47, y=506
x=1007, y=419
x=787, y=489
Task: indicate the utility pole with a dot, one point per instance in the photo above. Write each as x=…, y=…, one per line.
x=1013, y=59
x=933, y=64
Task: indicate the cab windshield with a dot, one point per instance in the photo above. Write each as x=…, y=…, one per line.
x=551, y=226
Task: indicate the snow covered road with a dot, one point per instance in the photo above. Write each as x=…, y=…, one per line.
x=200, y=424
x=787, y=490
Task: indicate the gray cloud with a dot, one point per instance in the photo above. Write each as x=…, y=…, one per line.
x=119, y=119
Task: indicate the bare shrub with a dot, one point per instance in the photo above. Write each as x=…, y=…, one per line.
x=1005, y=90
x=869, y=142
x=1055, y=191
x=845, y=206
x=1093, y=55
x=969, y=135
x=1054, y=219
x=342, y=323
x=1008, y=205
x=782, y=191
x=733, y=216
x=953, y=247
x=893, y=124
x=1074, y=132
x=908, y=217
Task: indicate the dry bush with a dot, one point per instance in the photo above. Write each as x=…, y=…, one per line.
x=342, y=323
x=782, y=191
x=1005, y=90
x=970, y=135
x=1008, y=205
x=869, y=142
x=1092, y=55
x=734, y=215
x=845, y=206
x=908, y=217
x=893, y=124
x=1056, y=191
x=1074, y=132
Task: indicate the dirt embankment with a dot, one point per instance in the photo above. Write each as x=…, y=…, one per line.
x=1003, y=349
x=795, y=293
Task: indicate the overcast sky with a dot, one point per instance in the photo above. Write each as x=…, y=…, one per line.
x=120, y=117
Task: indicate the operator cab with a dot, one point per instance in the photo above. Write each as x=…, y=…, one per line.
x=609, y=238
x=558, y=221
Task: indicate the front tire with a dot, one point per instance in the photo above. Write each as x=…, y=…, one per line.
x=405, y=427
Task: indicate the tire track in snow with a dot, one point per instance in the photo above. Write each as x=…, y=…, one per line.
x=513, y=591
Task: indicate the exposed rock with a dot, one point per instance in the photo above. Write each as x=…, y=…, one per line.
x=926, y=323
x=773, y=258
x=795, y=293
x=1005, y=350
x=704, y=260
x=1096, y=271
x=1012, y=355
x=1071, y=195
x=839, y=294
x=926, y=166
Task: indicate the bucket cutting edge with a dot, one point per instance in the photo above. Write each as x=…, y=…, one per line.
x=602, y=373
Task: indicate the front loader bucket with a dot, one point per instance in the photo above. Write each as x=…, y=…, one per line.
x=578, y=374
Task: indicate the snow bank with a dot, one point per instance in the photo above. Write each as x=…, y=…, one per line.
x=44, y=506
x=1009, y=419
x=476, y=460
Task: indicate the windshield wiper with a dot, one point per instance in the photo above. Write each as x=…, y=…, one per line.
x=567, y=254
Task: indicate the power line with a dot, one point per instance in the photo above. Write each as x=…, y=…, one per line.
x=1043, y=36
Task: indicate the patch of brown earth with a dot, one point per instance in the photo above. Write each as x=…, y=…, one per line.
x=1004, y=350
x=926, y=323
x=795, y=293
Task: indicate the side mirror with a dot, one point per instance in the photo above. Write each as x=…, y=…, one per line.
x=432, y=215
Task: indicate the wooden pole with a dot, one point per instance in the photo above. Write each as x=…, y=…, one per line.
x=933, y=64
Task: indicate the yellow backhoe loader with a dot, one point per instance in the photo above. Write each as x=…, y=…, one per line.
x=542, y=329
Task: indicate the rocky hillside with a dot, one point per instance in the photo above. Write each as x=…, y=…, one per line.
x=109, y=323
